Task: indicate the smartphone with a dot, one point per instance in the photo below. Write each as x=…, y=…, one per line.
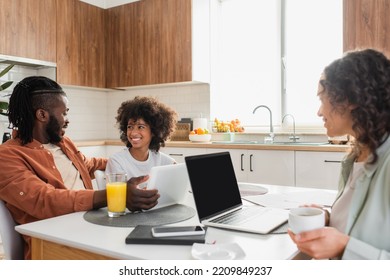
x=177, y=231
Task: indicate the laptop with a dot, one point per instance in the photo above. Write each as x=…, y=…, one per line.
x=218, y=200
x=172, y=183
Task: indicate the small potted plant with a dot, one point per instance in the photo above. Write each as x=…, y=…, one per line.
x=4, y=102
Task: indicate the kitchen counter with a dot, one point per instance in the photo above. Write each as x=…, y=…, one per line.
x=210, y=145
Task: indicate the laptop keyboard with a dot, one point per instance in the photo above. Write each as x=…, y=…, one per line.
x=239, y=216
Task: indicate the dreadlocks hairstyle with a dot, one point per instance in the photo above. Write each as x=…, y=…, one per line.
x=30, y=94
x=161, y=119
x=362, y=78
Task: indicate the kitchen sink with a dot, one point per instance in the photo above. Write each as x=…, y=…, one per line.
x=237, y=142
x=301, y=143
x=290, y=143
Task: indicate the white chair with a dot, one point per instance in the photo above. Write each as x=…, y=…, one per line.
x=100, y=178
x=13, y=243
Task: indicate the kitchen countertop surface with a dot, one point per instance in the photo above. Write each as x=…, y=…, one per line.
x=243, y=146
x=109, y=240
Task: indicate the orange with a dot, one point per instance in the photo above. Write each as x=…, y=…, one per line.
x=200, y=131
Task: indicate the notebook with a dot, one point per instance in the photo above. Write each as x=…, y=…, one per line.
x=172, y=183
x=142, y=234
x=217, y=197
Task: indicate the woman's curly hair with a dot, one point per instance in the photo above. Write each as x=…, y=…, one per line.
x=161, y=119
x=362, y=78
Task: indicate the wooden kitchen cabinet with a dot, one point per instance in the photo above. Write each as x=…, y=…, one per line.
x=367, y=25
x=141, y=43
x=318, y=169
x=28, y=29
x=81, y=48
x=149, y=42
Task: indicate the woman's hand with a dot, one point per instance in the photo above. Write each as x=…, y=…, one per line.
x=323, y=243
x=138, y=198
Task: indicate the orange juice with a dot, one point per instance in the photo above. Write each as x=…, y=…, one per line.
x=116, y=198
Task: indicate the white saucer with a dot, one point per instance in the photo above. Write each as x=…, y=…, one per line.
x=251, y=189
x=227, y=251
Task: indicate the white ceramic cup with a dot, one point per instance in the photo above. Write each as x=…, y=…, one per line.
x=306, y=218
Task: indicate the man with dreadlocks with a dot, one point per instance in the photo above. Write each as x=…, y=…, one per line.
x=43, y=174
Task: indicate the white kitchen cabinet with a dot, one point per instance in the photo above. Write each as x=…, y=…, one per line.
x=238, y=159
x=112, y=149
x=106, y=151
x=100, y=151
x=318, y=169
x=93, y=151
x=180, y=153
x=286, y=168
x=271, y=167
x=262, y=166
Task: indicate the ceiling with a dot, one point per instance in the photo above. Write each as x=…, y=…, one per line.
x=105, y=4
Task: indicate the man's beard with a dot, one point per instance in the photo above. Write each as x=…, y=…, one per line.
x=53, y=130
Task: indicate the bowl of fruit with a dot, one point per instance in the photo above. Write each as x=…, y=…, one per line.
x=223, y=126
x=200, y=135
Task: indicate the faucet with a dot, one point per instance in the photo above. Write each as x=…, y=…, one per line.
x=294, y=138
x=271, y=137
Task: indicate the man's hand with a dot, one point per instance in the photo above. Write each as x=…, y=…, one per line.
x=138, y=198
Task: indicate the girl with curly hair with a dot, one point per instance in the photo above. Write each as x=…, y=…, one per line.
x=355, y=100
x=144, y=124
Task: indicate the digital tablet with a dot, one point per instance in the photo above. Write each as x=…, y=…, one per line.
x=172, y=183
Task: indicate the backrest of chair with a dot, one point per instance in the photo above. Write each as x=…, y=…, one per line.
x=12, y=240
x=100, y=177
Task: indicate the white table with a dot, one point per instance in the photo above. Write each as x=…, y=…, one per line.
x=71, y=237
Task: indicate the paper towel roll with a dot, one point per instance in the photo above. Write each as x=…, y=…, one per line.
x=199, y=123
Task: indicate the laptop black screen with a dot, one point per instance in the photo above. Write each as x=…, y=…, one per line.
x=213, y=182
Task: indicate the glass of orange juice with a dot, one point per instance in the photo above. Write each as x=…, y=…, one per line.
x=116, y=194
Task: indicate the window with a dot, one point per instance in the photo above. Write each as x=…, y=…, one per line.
x=271, y=53
x=312, y=39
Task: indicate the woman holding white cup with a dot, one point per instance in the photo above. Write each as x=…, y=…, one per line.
x=306, y=218
x=355, y=100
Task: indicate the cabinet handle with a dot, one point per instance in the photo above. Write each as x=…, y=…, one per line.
x=333, y=161
x=242, y=163
x=177, y=155
x=250, y=162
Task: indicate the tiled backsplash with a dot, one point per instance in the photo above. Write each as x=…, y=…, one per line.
x=19, y=72
x=92, y=112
